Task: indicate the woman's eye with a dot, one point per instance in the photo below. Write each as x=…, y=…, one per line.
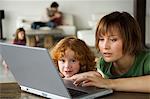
x=101, y=39
x=113, y=40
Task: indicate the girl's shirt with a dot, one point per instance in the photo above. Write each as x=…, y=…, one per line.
x=140, y=67
x=19, y=42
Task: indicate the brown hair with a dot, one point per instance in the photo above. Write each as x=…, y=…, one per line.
x=16, y=35
x=128, y=28
x=82, y=52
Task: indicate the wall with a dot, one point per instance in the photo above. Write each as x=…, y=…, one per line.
x=81, y=9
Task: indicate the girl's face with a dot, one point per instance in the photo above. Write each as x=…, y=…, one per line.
x=111, y=46
x=68, y=65
x=21, y=35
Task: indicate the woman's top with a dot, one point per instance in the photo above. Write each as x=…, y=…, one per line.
x=140, y=67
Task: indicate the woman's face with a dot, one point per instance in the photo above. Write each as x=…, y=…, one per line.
x=68, y=64
x=21, y=35
x=111, y=46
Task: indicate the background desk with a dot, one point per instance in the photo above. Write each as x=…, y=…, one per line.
x=47, y=34
x=9, y=89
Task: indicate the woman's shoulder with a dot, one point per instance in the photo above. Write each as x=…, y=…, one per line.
x=143, y=57
x=144, y=60
x=144, y=53
x=147, y=55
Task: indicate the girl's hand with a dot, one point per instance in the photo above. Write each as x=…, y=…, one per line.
x=61, y=75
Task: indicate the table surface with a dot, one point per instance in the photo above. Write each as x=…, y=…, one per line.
x=8, y=83
x=50, y=31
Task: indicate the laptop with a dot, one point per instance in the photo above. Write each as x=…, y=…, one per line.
x=36, y=73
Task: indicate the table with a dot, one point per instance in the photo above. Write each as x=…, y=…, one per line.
x=115, y=95
x=9, y=89
x=46, y=33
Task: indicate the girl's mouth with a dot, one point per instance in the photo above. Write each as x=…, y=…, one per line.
x=68, y=71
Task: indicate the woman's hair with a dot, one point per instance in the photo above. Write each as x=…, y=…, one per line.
x=82, y=53
x=126, y=26
x=16, y=35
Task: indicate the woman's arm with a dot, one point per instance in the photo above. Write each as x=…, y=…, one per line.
x=133, y=84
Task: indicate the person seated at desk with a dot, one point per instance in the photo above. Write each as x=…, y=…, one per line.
x=71, y=56
x=20, y=37
x=125, y=63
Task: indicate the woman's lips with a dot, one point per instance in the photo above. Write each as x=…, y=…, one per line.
x=107, y=54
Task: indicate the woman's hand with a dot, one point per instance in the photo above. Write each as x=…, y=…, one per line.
x=91, y=78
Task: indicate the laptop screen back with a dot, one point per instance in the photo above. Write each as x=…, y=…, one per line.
x=32, y=67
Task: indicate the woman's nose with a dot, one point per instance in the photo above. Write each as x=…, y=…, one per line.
x=106, y=44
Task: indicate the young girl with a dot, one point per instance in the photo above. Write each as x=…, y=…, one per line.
x=72, y=56
x=20, y=37
x=124, y=65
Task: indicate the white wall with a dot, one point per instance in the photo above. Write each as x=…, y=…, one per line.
x=81, y=9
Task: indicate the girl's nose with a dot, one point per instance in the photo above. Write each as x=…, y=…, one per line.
x=67, y=65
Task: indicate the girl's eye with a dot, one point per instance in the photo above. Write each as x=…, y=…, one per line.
x=73, y=60
x=62, y=60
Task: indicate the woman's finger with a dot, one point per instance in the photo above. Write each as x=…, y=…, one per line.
x=80, y=80
x=89, y=83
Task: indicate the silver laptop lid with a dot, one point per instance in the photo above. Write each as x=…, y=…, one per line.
x=29, y=67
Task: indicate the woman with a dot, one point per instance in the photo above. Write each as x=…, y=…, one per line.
x=124, y=62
